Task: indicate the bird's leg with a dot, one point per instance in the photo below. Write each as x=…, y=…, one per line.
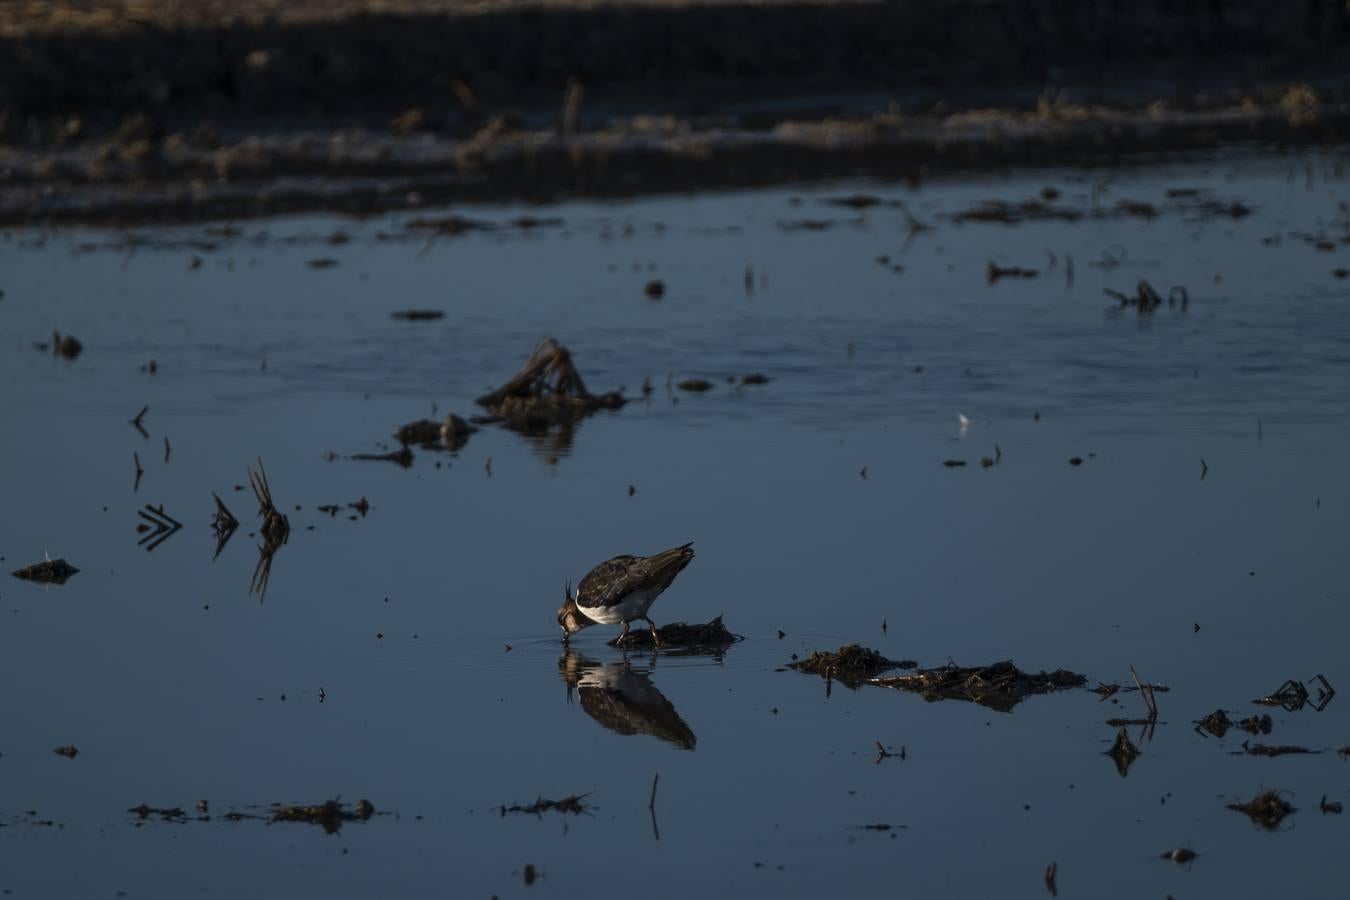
x=651, y=626
x=623, y=635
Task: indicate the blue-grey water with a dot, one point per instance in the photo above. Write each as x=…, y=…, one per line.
x=176, y=684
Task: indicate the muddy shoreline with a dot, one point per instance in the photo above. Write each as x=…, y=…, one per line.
x=117, y=183
x=158, y=111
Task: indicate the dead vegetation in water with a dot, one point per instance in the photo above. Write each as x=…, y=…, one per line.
x=274, y=531
x=1146, y=299
x=1271, y=750
x=423, y=432
x=851, y=664
x=403, y=457
x=548, y=391
x=66, y=346
x=49, y=571
x=1266, y=809
x=418, y=315
x=1190, y=203
x=994, y=273
x=1217, y=723
x=1293, y=695
x=999, y=686
x=1123, y=752
x=573, y=804
x=168, y=813
x=330, y=814
x=223, y=524
x=680, y=634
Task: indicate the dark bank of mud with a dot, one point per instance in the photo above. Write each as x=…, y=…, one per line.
x=183, y=112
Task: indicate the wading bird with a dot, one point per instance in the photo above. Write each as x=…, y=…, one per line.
x=621, y=590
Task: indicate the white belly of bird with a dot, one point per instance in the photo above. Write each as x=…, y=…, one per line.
x=631, y=607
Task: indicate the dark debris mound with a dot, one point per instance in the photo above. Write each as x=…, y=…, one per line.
x=52, y=571
x=1123, y=752
x=1000, y=686
x=1250, y=749
x=572, y=804
x=330, y=814
x=423, y=432
x=851, y=664
x=1216, y=723
x=681, y=634
x=547, y=391
x=1266, y=809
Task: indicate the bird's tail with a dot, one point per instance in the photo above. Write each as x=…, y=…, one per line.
x=665, y=565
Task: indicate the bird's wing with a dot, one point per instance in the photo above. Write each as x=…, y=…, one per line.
x=607, y=583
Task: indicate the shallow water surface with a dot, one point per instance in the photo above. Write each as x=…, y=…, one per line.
x=410, y=656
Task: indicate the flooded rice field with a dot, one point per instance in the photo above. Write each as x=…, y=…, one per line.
x=963, y=451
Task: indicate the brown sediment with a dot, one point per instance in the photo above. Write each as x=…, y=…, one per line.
x=1266, y=809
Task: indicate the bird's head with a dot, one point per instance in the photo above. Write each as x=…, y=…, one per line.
x=570, y=617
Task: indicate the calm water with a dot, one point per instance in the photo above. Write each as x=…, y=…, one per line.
x=169, y=676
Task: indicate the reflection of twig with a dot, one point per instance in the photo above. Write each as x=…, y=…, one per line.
x=651, y=806
x=224, y=524
x=1146, y=691
x=164, y=526
x=139, y=471
x=262, y=572
x=883, y=753
x=274, y=531
x=136, y=422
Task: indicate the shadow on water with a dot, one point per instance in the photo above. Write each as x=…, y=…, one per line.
x=622, y=698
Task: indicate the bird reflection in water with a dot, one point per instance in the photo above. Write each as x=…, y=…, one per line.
x=622, y=698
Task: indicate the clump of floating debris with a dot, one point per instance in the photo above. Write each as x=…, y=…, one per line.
x=547, y=391
x=570, y=804
x=851, y=664
x=51, y=571
x=1000, y=686
x=1266, y=809
x=330, y=814
x=1123, y=752
x=680, y=634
